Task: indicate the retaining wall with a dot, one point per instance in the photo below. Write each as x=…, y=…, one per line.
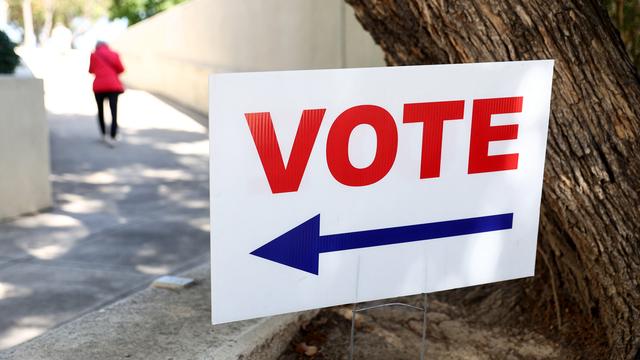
x=173, y=53
x=24, y=147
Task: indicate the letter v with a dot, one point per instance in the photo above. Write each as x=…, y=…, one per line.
x=284, y=179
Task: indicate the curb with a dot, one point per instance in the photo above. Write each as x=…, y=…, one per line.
x=163, y=324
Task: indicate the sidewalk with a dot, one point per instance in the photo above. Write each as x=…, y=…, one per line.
x=121, y=216
x=164, y=324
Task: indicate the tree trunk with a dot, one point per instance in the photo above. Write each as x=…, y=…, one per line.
x=4, y=14
x=45, y=33
x=27, y=16
x=590, y=219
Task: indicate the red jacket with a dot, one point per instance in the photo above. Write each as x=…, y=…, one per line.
x=106, y=65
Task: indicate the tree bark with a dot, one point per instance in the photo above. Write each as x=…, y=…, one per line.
x=590, y=216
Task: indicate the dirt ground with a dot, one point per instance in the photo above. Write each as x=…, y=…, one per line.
x=395, y=333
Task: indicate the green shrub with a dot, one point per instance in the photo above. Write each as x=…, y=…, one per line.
x=8, y=58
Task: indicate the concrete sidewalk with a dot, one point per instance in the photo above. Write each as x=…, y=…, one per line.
x=163, y=324
x=121, y=216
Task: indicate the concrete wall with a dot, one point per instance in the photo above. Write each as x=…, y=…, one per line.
x=24, y=147
x=174, y=52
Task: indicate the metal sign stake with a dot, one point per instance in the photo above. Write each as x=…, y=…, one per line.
x=423, y=346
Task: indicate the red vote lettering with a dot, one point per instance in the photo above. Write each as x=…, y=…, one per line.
x=482, y=133
x=432, y=115
x=284, y=179
x=338, y=145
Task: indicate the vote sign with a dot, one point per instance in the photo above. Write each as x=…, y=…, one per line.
x=340, y=186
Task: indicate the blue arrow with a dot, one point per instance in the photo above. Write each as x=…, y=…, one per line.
x=301, y=246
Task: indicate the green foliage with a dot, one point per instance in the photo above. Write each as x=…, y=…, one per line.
x=130, y=9
x=137, y=10
x=625, y=14
x=8, y=58
x=62, y=11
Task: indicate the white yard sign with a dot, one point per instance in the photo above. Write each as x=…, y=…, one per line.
x=339, y=186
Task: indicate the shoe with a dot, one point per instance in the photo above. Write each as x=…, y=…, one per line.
x=110, y=142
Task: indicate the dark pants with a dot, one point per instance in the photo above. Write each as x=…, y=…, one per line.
x=113, y=104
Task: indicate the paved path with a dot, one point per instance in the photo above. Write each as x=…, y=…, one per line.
x=121, y=216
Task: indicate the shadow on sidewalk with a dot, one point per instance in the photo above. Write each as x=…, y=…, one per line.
x=121, y=217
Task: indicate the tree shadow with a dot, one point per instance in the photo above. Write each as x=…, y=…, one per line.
x=120, y=218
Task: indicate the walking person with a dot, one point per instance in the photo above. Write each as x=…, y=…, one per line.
x=105, y=64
